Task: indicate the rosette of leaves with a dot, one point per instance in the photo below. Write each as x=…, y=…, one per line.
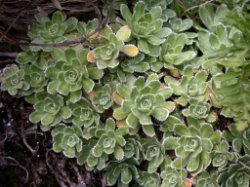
x=191, y=86
x=110, y=141
x=85, y=157
x=236, y=174
x=141, y=63
x=149, y=179
x=147, y=27
x=83, y=115
x=193, y=148
x=140, y=100
x=50, y=110
x=35, y=77
x=172, y=177
x=71, y=73
x=13, y=80
x=240, y=139
x=67, y=139
x=207, y=179
x=200, y=110
x=154, y=153
x=172, y=54
x=122, y=173
x=106, y=55
x=197, y=109
x=101, y=97
x=221, y=155
x=133, y=148
x=233, y=93
x=56, y=29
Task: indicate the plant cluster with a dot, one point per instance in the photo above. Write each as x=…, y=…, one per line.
x=142, y=98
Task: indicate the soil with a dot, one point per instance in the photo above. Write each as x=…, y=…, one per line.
x=26, y=158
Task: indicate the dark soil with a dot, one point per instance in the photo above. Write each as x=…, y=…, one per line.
x=26, y=158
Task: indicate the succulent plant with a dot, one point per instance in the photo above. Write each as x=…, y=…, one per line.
x=122, y=172
x=231, y=89
x=207, y=179
x=101, y=97
x=13, y=80
x=70, y=74
x=197, y=109
x=140, y=100
x=67, y=139
x=110, y=141
x=106, y=56
x=240, y=139
x=154, y=153
x=48, y=30
x=236, y=174
x=107, y=103
x=146, y=27
x=191, y=86
x=172, y=53
x=194, y=147
x=35, y=77
x=50, y=110
x=83, y=115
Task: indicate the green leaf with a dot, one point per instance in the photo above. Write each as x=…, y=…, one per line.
x=97, y=151
x=126, y=14
x=62, y=88
x=123, y=91
x=155, y=40
x=66, y=112
x=160, y=114
x=132, y=121
x=148, y=130
x=88, y=85
x=58, y=17
x=126, y=175
x=75, y=96
x=144, y=119
x=139, y=10
x=35, y=117
x=47, y=119
x=143, y=46
x=119, y=114
x=118, y=153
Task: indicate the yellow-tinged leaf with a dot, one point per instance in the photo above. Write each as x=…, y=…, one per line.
x=117, y=98
x=90, y=57
x=123, y=33
x=170, y=106
x=93, y=35
x=175, y=73
x=120, y=123
x=91, y=95
x=130, y=50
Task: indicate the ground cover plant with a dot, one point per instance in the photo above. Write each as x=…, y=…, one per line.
x=140, y=94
